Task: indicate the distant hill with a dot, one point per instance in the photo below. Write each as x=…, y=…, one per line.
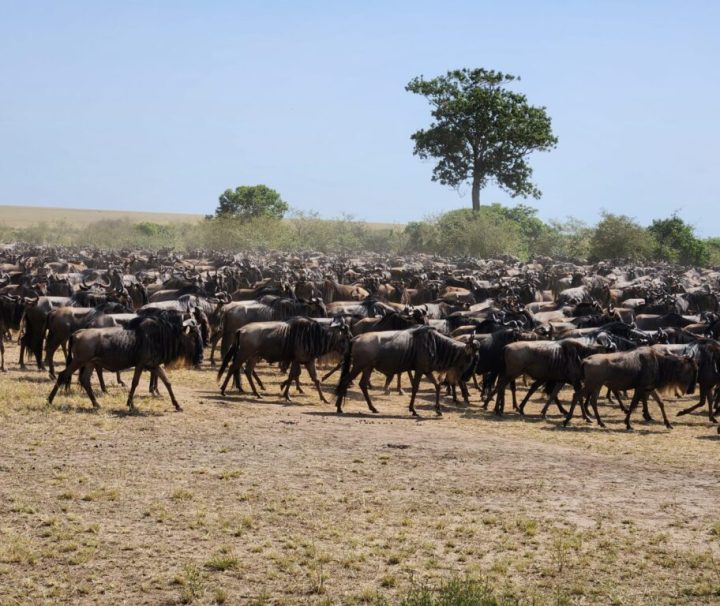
x=25, y=216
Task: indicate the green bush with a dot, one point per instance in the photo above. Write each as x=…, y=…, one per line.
x=620, y=237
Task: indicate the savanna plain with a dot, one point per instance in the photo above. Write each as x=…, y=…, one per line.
x=243, y=501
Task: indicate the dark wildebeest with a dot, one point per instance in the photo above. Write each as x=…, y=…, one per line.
x=392, y=320
x=655, y=321
x=706, y=353
x=186, y=304
x=34, y=325
x=491, y=360
x=556, y=362
x=11, y=313
x=299, y=341
x=237, y=314
x=147, y=343
x=645, y=370
x=64, y=321
x=421, y=350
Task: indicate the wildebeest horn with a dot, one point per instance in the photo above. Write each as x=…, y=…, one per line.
x=189, y=322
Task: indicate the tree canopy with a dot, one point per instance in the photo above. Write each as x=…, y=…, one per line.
x=676, y=242
x=620, y=237
x=250, y=202
x=482, y=131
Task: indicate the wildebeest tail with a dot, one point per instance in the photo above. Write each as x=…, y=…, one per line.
x=65, y=377
x=228, y=356
x=71, y=342
x=342, y=386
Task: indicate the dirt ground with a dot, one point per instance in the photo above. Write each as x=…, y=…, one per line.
x=244, y=501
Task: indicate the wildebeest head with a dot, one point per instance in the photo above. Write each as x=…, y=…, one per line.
x=472, y=352
x=678, y=372
x=316, y=308
x=191, y=343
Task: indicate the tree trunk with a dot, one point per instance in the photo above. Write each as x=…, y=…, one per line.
x=476, y=193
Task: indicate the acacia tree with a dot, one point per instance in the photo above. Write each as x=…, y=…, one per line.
x=482, y=131
x=249, y=202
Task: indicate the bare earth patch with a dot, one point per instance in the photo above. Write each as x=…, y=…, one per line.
x=243, y=501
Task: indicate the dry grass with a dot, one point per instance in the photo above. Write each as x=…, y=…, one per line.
x=240, y=501
x=27, y=216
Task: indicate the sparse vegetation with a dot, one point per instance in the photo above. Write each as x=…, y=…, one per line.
x=491, y=231
x=310, y=520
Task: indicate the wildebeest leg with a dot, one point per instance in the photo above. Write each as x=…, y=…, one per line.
x=154, y=383
x=260, y=383
x=595, y=407
x=489, y=388
x=645, y=410
x=386, y=387
x=64, y=378
x=249, y=368
x=85, y=374
x=465, y=393
x=704, y=395
x=364, y=381
x=620, y=402
x=661, y=404
x=50, y=349
x=553, y=397
x=475, y=384
x=101, y=379
x=415, y=384
x=354, y=372
x=312, y=371
x=514, y=396
x=573, y=404
x=633, y=404
x=333, y=371
x=133, y=386
x=500, y=396
x=230, y=373
x=293, y=373
x=119, y=380
x=531, y=391
x=160, y=372
x=2, y=356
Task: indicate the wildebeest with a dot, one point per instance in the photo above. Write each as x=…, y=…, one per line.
x=645, y=370
x=237, y=314
x=420, y=350
x=299, y=341
x=34, y=326
x=147, y=343
x=556, y=362
x=64, y=321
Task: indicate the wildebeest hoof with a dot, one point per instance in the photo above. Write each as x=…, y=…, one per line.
x=668, y=425
x=178, y=408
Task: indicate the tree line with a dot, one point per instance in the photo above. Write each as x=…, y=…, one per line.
x=494, y=230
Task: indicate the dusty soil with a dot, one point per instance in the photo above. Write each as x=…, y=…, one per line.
x=243, y=501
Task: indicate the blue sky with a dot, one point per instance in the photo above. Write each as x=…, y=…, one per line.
x=160, y=105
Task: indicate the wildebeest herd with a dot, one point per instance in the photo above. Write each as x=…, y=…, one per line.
x=627, y=333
